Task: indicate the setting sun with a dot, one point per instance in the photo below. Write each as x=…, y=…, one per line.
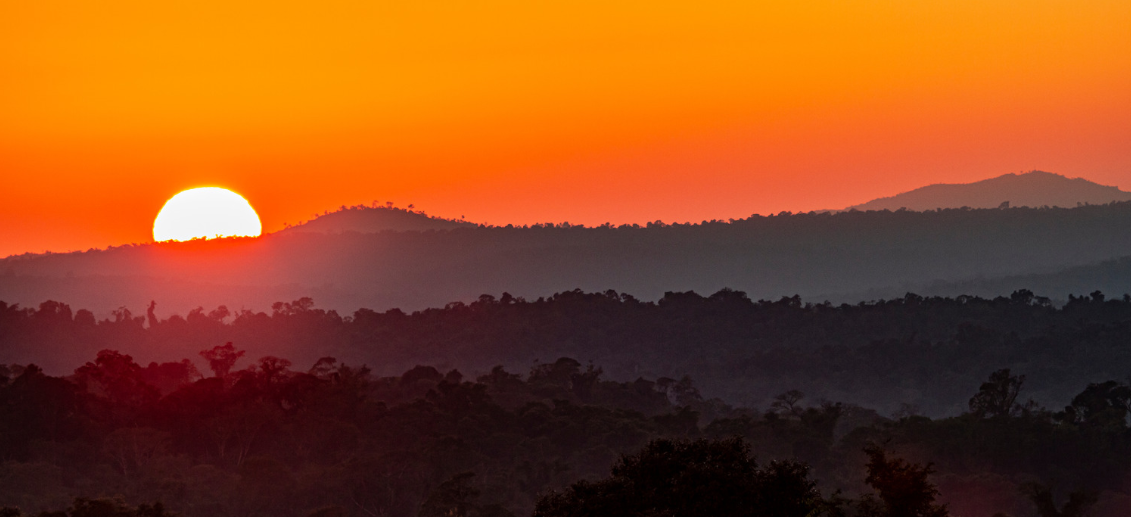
x=206, y=212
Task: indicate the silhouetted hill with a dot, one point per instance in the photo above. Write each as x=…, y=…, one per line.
x=768, y=257
x=1033, y=189
x=365, y=219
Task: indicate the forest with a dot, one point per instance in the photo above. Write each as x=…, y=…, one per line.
x=272, y=439
x=228, y=414
x=924, y=353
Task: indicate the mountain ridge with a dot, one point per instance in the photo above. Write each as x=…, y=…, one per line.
x=1031, y=189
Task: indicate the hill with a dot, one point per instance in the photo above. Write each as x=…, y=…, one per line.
x=372, y=219
x=809, y=254
x=1033, y=189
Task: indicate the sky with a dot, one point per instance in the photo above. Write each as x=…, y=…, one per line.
x=522, y=112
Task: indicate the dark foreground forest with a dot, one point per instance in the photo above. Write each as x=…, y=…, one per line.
x=253, y=414
x=118, y=439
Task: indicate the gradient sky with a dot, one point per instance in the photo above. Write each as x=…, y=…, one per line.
x=522, y=112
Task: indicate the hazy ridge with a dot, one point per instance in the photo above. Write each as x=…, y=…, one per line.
x=810, y=254
x=1032, y=189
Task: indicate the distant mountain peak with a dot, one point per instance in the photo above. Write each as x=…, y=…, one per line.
x=1033, y=189
x=373, y=219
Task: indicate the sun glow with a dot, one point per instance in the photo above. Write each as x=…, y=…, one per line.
x=207, y=212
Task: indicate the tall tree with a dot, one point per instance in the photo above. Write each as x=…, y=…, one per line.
x=903, y=488
x=222, y=358
x=998, y=395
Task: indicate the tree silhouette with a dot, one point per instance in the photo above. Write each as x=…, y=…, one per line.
x=904, y=490
x=998, y=395
x=1041, y=495
x=117, y=377
x=1105, y=404
x=690, y=478
x=273, y=368
x=222, y=358
x=788, y=402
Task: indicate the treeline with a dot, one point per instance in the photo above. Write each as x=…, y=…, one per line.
x=924, y=353
x=270, y=439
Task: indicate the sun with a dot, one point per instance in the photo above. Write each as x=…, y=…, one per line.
x=206, y=212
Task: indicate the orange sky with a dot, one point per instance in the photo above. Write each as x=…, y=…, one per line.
x=522, y=112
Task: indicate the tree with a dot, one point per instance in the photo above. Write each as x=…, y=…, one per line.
x=682, y=392
x=998, y=396
x=904, y=490
x=1041, y=495
x=272, y=368
x=52, y=311
x=559, y=374
x=1100, y=405
x=690, y=478
x=34, y=407
x=324, y=368
x=219, y=314
x=299, y=306
x=221, y=359
x=167, y=377
x=116, y=376
x=788, y=402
